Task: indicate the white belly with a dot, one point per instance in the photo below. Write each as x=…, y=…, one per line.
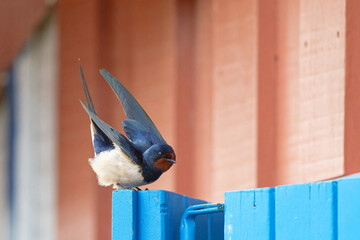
x=115, y=167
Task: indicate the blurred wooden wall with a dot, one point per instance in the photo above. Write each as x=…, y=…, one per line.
x=249, y=93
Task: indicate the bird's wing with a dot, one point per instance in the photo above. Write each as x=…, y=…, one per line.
x=106, y=133
x=100, y=140
x=89, y=102
x=119, y=139
x=139, y=135
x=132, y=108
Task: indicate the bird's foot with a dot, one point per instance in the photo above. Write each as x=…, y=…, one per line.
x=139, y=189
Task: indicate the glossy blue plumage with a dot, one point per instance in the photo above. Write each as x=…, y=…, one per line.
x=145, y=148
x=101, y=142
x=139, y=136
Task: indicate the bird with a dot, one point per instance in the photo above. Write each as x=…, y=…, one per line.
x=126, y=162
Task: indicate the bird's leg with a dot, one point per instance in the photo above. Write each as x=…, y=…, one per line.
x=139, y=189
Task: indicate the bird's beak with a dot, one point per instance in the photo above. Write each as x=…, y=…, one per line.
x=170, y=160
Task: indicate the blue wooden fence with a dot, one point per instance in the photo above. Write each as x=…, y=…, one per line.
x=157, y=215
x=321, y=210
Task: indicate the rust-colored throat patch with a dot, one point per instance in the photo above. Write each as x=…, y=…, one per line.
x=164, y=164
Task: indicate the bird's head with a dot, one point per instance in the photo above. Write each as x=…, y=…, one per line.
x=160, y=156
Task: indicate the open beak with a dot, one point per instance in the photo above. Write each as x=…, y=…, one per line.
x=170, y=160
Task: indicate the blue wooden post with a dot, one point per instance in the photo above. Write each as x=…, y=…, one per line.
x=321, y=210
x=306, y=211
x=349, y=208
x=155, y=215
x=315, y=211
x=249, y=214
x=124, y=215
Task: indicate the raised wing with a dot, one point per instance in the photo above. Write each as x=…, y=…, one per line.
x=89, y=102
x=101, y=142
x=119, y=139
x=139, y=136
x=132, y=108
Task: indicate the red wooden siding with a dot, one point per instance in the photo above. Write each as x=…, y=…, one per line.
x=234, y=95
x=352, y=87
x=83, y=212
x=18, y=18
x=301, y=91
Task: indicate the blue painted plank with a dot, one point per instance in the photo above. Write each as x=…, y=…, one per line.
x=157, y=215
x=249, y=214
x=323, y=210
x=124, y=214
x=349, y=208
x=306, y=211
x=160, y=213
x=215, y=226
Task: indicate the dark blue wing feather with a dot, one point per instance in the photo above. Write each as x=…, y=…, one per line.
x=120, y=140
x=139, y=136
x=89, y=102
x=132, y=108
x=101, y=142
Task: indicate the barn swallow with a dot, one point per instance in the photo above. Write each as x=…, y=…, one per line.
x=131, y=162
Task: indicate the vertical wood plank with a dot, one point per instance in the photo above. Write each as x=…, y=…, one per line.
x=157, y=215
x=138, y=48
x=301, y=91
x=154, y=71
x=124, y=215
x=277, y=90
x=352, y=88
x=234, y=96
x=250, y=214
x=286, y=60
x=185, y=95
x=266, y=94
x=18, y=18
x=306, y=211
x=160, y=212
x=321, y=86
x=203, y=99
x=76, y=209
x=349, y=208
x=84, y=208
x=33, y=184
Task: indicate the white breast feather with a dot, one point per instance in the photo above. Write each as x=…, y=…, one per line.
x=115, y=167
